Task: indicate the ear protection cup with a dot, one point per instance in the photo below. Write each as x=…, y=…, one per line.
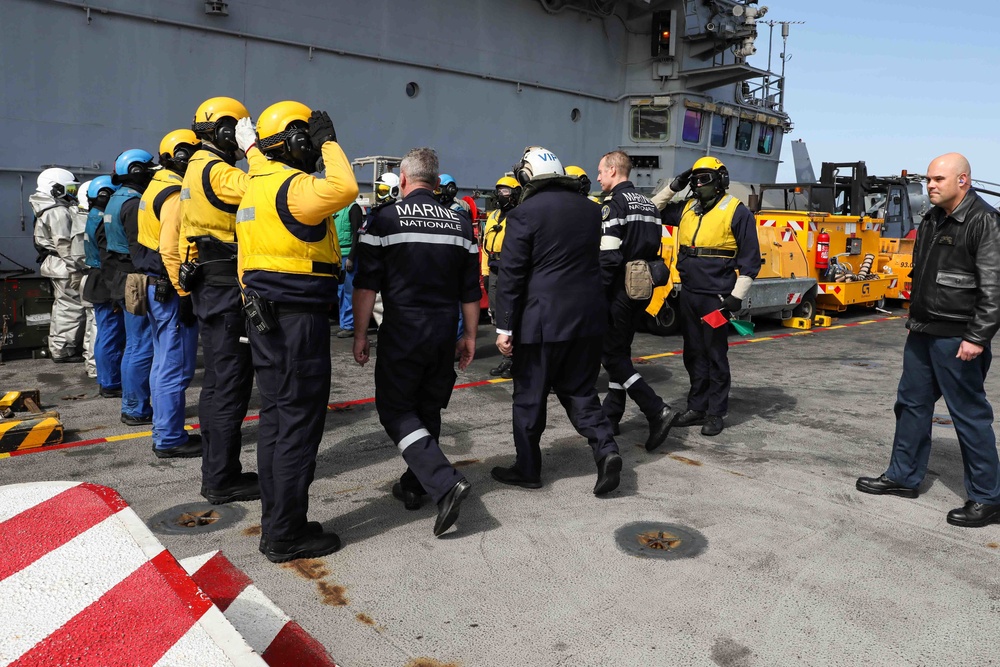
x=449, y=191
x=723, y=178
x=225, y=134
x=522, y=172
x=299, y=146
x=137, y=168
x=58, y=191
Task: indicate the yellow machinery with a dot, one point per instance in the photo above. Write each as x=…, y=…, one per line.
x=895, y=260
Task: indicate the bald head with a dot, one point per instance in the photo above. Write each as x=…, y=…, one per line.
x=949, y=177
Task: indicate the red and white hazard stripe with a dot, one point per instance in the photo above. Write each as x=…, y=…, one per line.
x=813, y=227
x=892, y=283
x=797, y=225
x=279, y=639
x=787, y=235
x=819, y=289
x=85, y=583
x=768, y=223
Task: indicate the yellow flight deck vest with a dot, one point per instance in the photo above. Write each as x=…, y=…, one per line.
x=271, y=239
x=712, y=230
x=202, y=212
x=492, y=238
x=164, y=184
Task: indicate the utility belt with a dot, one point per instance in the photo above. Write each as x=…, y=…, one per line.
x=216, y=264
x=691, y=251
x=262, y=314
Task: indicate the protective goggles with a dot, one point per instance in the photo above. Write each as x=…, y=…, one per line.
x=71, y=188
x=504, y=191
x=702, y=179
x=382, y=189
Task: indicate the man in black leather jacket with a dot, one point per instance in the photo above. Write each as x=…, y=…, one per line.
x=954, y=314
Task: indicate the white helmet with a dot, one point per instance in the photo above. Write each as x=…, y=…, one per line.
x=83, y=202
x=58, y=183
x=387, y=188
x=537, y=161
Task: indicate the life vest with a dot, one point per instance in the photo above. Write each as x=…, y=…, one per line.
x=271, y=239
x=92, y=254
x=164, y=184
x=713, y=230
x=114, y=229
x=493, y=237
x=203, y=213
x=342, y=221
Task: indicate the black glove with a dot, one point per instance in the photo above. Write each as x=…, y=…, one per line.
x=680, y=181
x=321, y=129
x=732, y=304
x=185, y=312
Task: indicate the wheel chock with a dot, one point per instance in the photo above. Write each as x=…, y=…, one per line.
x=822, y=321
x=30, y=433
x=797, y=323
x=18, y=401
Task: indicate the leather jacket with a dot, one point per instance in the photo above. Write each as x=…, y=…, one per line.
x=956, y=273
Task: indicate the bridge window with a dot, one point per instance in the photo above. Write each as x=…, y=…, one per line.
x=650, y=123
x=692, y=126
x=720, y=130
x=744, y=132
x=765, y=142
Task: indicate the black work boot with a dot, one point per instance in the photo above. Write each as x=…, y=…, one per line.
x=246, y=487
x=690, y=418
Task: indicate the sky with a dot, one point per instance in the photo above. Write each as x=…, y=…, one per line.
x=889, y=82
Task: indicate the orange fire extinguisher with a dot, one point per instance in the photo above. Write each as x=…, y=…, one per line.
x=823, y=250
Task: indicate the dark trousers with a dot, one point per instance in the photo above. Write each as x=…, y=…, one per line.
x=931, y=370
x=570, y=368
x=227, y=384
x=292, y=364
x=617, y=360
x=414, y=378
x=706, y=354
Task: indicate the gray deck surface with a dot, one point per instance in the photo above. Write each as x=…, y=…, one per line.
x=799, y=567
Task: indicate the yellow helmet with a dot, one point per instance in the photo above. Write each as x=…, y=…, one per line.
x=210, y=111
x=708, y=162
x=170, y=142
x=508, y=181
x=573, y=170
x=274, y=121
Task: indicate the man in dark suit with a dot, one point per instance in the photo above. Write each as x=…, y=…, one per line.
x=550, y=303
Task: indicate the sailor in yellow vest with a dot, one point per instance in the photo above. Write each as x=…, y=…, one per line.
x=169, y=311
x=718, y=258
x=210, y=196
x=508, y=194
x=289, y=262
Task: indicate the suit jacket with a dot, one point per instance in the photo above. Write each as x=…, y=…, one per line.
x=549, y=287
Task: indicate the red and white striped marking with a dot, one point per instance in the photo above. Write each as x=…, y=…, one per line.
x=84, y=582
x=892, y=283
x=796, y=225
x=280, y=640
x=787, y=235
x=668, y=231
x=768, y=223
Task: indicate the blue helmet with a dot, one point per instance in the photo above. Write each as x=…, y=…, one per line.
x=100, y=183
x=446, y=179
x=131, y=157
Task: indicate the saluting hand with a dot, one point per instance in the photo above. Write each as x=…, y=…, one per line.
x=361, y=348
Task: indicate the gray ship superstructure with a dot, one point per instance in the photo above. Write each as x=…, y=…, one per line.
x=478, y=80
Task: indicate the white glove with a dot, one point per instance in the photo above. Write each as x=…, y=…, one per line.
x=245, y=134
x=742, y=287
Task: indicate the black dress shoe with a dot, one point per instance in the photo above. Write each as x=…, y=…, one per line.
x=448, y=507
x=659, y=427
x=411, y=499
x=882, y=485
x=503, y=368
x=713, y=425
x=71, y=359
x=110, y=393
x=129, y=420
x=189, y=450
x=974, y=515
x=690, y=418
x=312, y=528
x=514, y=478
x=309, y=545
x=247, y=487
x=608, y=474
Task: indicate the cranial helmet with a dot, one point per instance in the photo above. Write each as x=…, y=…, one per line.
x=283, y=134
x=176, y=148
x=585, y=184
x=215, y=120
x=535, y=162
x=59, y=183
x=100, y=191
x=387, y=188
x=508, y=193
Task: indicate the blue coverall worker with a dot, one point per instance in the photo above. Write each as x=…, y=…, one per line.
x=289, y=260
x=631, y=231
x=551, y=314
x=423, y=258
x=348, y=221
x=210, y=196
x=171, y=316
x=133, y=171
x=109, y=344
x=718, y=258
